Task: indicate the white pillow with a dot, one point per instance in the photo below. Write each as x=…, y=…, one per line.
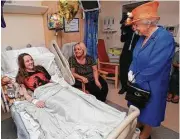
x=42, y=56
x=9, y=58
x=9, y=64
x=42, y=50
x=33, y=51
x=47, y=61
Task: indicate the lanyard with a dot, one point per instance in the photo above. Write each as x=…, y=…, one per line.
x=131, y=41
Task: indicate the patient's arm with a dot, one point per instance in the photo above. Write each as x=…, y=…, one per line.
x=23, y=90
x=38, y=103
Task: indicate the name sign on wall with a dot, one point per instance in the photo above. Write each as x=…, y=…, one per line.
x=73, y=26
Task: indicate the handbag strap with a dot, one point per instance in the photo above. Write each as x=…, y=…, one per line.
x=135, y=77
x=131, y=41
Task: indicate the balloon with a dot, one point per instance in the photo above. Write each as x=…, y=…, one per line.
x=68, y=9
x=55, y=21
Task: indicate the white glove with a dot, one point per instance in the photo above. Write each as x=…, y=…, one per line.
x=131, y=77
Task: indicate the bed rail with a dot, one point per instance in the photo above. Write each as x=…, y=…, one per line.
x=62, y=62
x=4, y=101
x=127, y=128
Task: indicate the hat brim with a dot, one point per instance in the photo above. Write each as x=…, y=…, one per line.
x=133, y=21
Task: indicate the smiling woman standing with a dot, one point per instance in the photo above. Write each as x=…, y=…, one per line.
x=151, y=64
x=84, y=68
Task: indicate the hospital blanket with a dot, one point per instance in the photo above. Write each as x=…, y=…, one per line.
x=71, y=114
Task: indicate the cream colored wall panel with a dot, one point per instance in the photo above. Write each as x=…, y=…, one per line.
x=21, y=30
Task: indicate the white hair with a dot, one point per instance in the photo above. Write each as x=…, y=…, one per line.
x=150, y=21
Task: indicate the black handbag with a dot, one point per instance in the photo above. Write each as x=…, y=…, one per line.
x=137, y=96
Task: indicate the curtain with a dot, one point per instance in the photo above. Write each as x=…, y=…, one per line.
x=3, y=24
x=91, y=32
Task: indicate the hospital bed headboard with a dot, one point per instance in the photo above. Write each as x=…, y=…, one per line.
x=62, y=62
x=41, y=55
x=18, y=47
x=8, y=48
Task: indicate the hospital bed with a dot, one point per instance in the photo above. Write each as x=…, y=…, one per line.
x=56, y=64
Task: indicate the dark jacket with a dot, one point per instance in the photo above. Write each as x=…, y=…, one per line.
x=128, y=39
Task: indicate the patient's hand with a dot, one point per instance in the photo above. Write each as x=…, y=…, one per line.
x=6, y=80
x=84, y=80
x=40, y=104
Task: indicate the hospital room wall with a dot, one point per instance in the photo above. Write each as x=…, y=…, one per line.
x=62, y=37
x=168, y=11
x=169, y=14
x=22, y=29
x=110, y=8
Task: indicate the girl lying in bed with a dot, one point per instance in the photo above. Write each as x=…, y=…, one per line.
x=30, y=77
x=66, y=112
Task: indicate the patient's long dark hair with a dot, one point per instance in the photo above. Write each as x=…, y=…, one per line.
x=22, y=73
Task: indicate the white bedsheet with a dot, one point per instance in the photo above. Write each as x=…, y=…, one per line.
x=31, y=125
x=69, y=114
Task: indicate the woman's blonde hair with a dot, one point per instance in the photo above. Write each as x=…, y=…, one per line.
x=82, y=46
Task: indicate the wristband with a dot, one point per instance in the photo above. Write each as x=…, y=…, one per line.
x=34, y=101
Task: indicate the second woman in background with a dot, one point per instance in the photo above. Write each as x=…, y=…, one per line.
x=84, y=70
